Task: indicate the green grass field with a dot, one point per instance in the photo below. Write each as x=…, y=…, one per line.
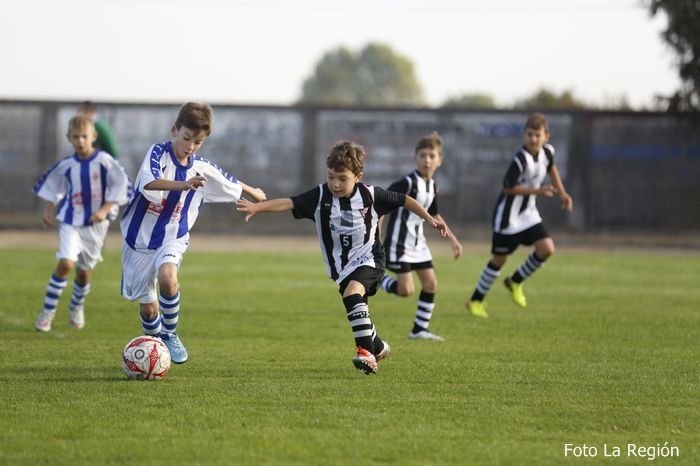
x=606, y=355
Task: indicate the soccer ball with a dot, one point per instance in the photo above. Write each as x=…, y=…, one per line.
x=146, y=357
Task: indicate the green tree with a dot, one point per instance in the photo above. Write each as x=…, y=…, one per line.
x=476, y=100
x=377, y=75
x=683, y=34
x=546, y=99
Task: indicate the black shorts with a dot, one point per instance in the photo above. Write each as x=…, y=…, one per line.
x=405, y=267
x=368, y=276
x=506, y=244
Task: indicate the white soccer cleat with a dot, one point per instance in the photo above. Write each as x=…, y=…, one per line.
x=384, y=353
x=44, y=321
x=425, y=335
x=77, y=317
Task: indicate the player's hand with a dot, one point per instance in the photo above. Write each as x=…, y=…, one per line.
x=257, y=194
x=457, y=248
x=567, y=202
x=47, y=218
x=194, y=182
x=440, y=225
x=98, y=216
x=244, y=205
x=546, y=190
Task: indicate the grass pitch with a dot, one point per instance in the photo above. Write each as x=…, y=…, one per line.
x=605, y=356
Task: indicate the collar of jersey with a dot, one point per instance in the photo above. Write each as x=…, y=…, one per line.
x=169, y=148
x=94, y=154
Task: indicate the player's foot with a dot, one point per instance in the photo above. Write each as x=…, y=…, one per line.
x=478, y=309
x=516, y=292
x=178, y=353
x=77, y=317
x=365, y=361
x=425, y=335
x=44, y=321
x=384, y=353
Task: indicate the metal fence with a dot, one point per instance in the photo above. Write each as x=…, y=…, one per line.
x=632, y=171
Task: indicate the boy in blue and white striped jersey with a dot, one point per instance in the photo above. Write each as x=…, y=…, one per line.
x=172, y=184
x=516, y=219
x=83, y=192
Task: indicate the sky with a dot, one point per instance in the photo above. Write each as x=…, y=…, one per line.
x=261, y=51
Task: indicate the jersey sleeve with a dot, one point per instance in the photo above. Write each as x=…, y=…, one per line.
x=549, y=152
x=118, y=186
x=305, y=203
x=400, y=186
x=151, y=170
x=515, y=170
x=52, y=185
x=220, y=186
x=386, y=201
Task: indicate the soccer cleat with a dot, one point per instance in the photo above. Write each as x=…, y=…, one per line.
x=516, y=292
x=77, y=317
x=478, y=309
x=365, y=361
x=425, y=335
x=178, y=353
x=384, y=353
x=44, y=321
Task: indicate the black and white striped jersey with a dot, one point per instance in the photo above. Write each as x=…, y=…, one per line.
x=514, y=214
x=347, y=227
x=405, y=240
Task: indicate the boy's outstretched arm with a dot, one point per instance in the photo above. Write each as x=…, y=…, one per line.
x=256, y=193
x=281, y=204
x=456, y=245
x=162, y=184
x=413, y=205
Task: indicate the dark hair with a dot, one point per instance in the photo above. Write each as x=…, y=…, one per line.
x=88, y=107
x=430, y=141
x=195, y=116
x=346, y=155
x=537, y=121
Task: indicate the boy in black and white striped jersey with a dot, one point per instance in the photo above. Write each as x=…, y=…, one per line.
x=346, y=213
x=516, y=219
x=405, y=242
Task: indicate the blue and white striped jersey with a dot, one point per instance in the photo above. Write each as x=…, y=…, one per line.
x=154, y=217
x=516, y=213
x=79, y=187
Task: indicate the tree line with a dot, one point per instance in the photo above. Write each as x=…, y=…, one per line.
x=377, y=75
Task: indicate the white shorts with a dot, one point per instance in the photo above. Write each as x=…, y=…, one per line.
x=82, y=245
x=140, y=269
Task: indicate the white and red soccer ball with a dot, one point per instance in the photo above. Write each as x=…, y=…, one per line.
x=146, y=358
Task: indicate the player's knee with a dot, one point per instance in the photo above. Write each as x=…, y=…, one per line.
x=404, y=290
x=545, y=252
x=63, y=268
x=149, y=311
x=82, y=276
x=430, y=286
